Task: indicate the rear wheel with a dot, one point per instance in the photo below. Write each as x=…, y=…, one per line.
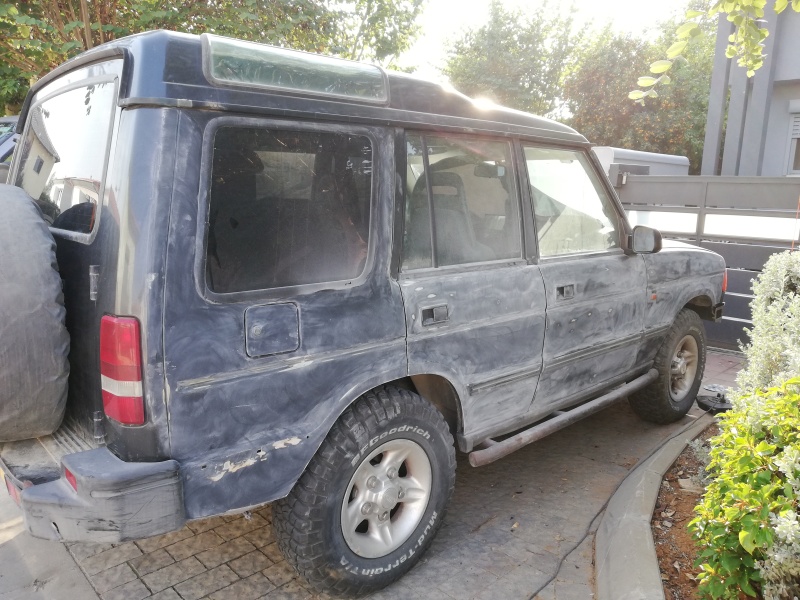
x=372, y=498
x=680, y=363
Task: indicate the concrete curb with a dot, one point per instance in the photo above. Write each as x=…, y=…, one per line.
x=625, y=554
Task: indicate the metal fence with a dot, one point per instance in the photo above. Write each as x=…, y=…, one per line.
x=745, y=219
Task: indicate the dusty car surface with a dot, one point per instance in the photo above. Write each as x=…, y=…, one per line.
x=299, y=279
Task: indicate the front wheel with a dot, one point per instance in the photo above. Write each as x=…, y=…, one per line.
x=370, y=501
x=680, y=363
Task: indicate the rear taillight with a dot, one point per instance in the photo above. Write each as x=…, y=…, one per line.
x=12, y=491
x=725, y=281
x=121, y=370
x=70, y=477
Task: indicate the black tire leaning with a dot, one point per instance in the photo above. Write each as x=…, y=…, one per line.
x=308, y=522
x=657, y=402
x=35, y=342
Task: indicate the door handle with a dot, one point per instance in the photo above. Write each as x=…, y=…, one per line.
x=434, y=315
x=565, y=292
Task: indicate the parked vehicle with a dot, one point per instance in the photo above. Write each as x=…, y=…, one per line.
x=296, y=279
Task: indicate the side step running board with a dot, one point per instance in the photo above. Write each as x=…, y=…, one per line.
x=493, y=451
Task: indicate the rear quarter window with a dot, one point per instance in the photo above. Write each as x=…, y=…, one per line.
x=63, y=154
x=287, y=208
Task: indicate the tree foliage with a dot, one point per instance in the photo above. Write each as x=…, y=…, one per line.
x=746, y=43
x=515, y=59
x=671, y=123
x=37, y=36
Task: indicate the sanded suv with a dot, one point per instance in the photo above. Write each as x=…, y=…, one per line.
x=299, y=279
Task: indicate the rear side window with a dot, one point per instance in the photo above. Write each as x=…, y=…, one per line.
x=287, y=208
x=461, y=202
x=63, y=155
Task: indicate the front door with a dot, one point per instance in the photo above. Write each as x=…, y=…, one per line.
x=474, y=305
x=595, y=292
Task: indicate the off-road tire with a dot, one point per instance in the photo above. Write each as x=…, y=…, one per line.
x=34, y=342
x=656, y=402
x=308, y=522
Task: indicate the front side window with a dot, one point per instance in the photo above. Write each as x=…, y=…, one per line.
x=573, y=212
x=287, y=208
x=461, y=202
x=63, y=155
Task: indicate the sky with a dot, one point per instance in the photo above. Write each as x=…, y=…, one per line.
x=444, y=20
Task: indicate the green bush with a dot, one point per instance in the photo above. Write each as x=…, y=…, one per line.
x=747, y=526
x=773, y=353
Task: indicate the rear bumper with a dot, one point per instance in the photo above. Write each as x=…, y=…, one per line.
x=115, y=500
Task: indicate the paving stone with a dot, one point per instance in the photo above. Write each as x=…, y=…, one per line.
x=225, y=552
x=206, y=583
x=289, y=591
x=239, y=526
x=250, y=563
x=147, y=563
x=261, y=537
x=133, y=590
x=110, y=558
x=572, y=591
x=167, y=594
x=202, y=525
x=154, y=543
x=272, y=552
x=194, y=545
x=266, y=512
x=251, y=588
x=468, y=583
x=280, y=573
x=82, y=550
x=173, y=574
x=113, y=577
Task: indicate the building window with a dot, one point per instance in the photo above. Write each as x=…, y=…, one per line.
x=794, y=147
x=37, y=166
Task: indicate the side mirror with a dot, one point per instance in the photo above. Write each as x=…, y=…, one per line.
x=645, y=240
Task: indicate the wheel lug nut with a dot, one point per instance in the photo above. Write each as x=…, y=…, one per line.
x=391, y=473
x=366, y=508
x=401, y=494
x=372, y=482
x=383, y=516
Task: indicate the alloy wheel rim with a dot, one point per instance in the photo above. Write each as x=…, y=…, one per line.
x=386, y=498
x=683, y=369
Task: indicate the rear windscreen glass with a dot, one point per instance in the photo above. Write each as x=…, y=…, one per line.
x=63, y=154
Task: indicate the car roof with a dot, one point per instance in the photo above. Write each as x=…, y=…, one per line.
x=166, y=68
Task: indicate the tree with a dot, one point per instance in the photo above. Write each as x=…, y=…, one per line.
x=516, y=60
x=672, y=123
x=746, y=42
x=37, y=36
x=377, y=30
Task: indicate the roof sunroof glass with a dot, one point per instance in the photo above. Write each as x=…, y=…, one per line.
x=248, y=63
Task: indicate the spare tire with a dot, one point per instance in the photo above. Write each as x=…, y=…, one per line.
x=34, y=342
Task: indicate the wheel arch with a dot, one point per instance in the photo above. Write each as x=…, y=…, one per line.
x=439, y=391
x=703, y=305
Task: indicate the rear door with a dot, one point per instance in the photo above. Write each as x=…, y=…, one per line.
x=595, y=292
x=474, y=303
x=279, y=309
